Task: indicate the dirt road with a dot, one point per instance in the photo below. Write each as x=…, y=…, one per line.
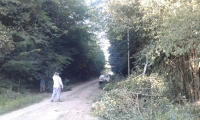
x=75, y=106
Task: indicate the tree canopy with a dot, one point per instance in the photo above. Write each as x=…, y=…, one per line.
x=40, y=37
x=163, y=32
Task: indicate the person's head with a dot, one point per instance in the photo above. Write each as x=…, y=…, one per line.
x=56, y=73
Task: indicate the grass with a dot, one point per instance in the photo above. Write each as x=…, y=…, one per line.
x=10, y=101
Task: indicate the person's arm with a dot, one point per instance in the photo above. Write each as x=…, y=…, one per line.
x=60, y=82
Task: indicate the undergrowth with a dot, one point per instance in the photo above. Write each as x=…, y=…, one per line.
x=10, y=100
x=141, y=98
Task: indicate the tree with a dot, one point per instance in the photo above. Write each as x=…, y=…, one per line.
x=167, y=33
x=46, y=36
x=6, y=41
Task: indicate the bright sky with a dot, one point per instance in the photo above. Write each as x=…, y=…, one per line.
x=89, y=1
x=103, y=41
x=105, y=44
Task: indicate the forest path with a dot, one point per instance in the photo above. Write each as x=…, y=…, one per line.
x=75, y=105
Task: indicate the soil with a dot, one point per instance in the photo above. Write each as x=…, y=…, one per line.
x=75, y=105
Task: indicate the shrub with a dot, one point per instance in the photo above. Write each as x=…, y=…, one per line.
x=139, y=98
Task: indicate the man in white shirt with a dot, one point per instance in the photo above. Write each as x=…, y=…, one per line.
x=57, y=86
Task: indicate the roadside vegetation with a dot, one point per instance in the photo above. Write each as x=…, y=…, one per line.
x=155, y=45
x=142, y=98
x=10, y=101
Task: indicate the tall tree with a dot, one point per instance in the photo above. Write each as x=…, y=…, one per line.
x=166, y=32
x=46, y=36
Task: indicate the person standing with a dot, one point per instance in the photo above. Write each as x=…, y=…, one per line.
x=42, y=84
x=57, y=86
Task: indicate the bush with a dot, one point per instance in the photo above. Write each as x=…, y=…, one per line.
x=139, y=98
x=113, y=83
x=102, y=84
x=124, y=105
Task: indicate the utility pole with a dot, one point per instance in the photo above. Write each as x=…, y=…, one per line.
x=128, y=52
x=145, y=66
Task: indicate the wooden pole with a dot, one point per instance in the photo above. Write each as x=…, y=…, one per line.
x=128, y=52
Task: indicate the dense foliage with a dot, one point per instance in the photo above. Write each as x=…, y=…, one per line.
x=39, y=37
x=141, y=98
x=163, y=34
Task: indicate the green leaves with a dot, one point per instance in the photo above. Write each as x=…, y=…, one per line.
x=6, y=41
x=165, y=31
x=22, y=66
x=175, y=32
x=63, y=59
x=44, y=36
x=29, y=52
